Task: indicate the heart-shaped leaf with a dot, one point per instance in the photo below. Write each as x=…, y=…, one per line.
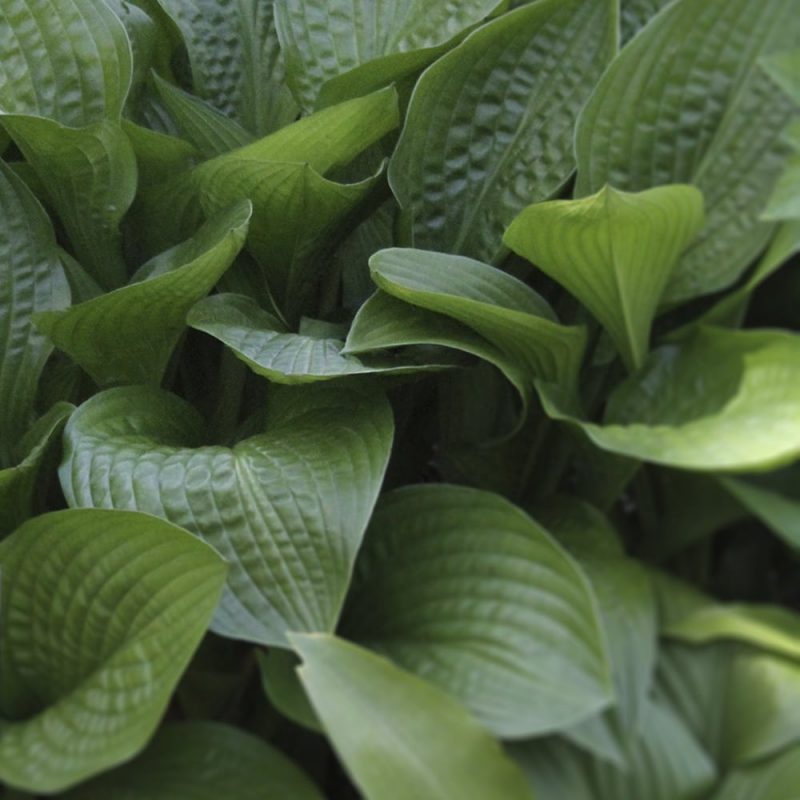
x=287, y=508
x=101, y=613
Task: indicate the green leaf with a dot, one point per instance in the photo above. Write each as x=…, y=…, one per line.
x=635, y=14
x=158, y=155
x=31, y=280
x=768, y=780
x=128, y=335
x=398, y=736
x=90, y=176
x=101, y=613
x=66, y=60
x=324, y=40
x=287, y=507
x=283, y=688
x=678, y=106
x=490, y=125
x=202, y=761
x=236, y=61
x=721, y=401
x=499, y=616
x=18, y=482
x=262, y=342
x=614, y=251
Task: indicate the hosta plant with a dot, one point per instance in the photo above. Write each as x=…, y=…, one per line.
x=399, y=400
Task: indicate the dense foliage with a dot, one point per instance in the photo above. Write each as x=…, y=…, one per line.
x=399, y=399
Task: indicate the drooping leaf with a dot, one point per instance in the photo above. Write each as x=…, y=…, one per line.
x=614, y=251
x=677, y=106
x=398, y=736
x=202, y=761
x=128, y=335
x=287, y=507
x=776, y=779
x=721, y=400
x=499, y=616
x=325, y=40
x=101, y=613
x=490, y=125
x=31, y=280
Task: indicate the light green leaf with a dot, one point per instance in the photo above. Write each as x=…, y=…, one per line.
x=720, y=400
x=777, y=779
x=128, y=335
x=323, y=40
x=31, y=280
x=18, y=482
x=283, y=688
x=90, y=176
x=499, y=616
x=287, y=508
x=490, y=125
x=678, y=106
x=101, y=613
x=202, y=761
x=236, y=61
x=262, y=342
x=399, y=737
x=66, y=60
x=614, y=251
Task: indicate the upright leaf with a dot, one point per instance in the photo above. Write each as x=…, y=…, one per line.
x=490, y=125
x=287, y=508
x=101, y=612
x=614, y=251
x=399, y=737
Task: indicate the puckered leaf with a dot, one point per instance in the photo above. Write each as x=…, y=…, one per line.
x=128, y=335
x=101, y=612
x=614, y=251
x=202, y=761
x=287, y=508
x=490, y=125
x=678, y=106
x=398, y=736
x=464, y=589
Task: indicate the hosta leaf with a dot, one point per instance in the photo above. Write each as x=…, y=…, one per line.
x=262, y=342
x=90, y=177
x=499, y=616
x=635, y=14
x=287, y=508
x=158, y=155
x=202, y=761
x=783, y=67
x=678, y=106
x=128, y=335
x=283, y=688
x=399, y=737
x=18, y=482
x=322, y=40
x=235, y=58
x=490, y=125
x=31, y=280
x=101, y=613
x=722, y=400
x=776, y=779
x=614, y=251
x=664, y=763
x=66, y=60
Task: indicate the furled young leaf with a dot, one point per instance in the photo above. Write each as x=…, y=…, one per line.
x=678, y=106
x=262, y=342
x=236, y=62
x=664, y=763
x=202, y=761
x=499, y=616
x=614, y=251
x=18, y=482
x=101, y=613
x=66, y=60
x=90, y=178
x=776, y=779
x=128, y=335
x=324, y=40
x=31, y=280
x=721, y=400
x=287, y=508
x=398, y=736
x=490, y=125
